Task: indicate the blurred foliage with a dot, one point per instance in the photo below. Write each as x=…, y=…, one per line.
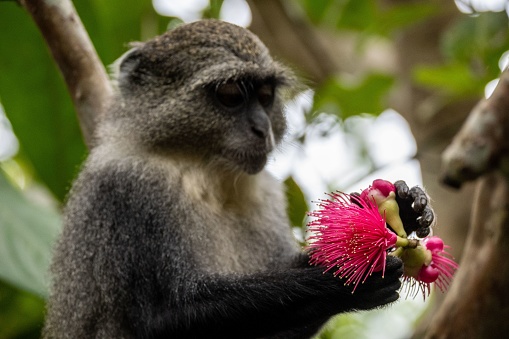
x=297, y=205
x=345, y=100
x=38, y=105
x=472, y=47
x=21, y=313
x=36, y=101
x=213, y=9
x=342, y=327
x=366, y=15
x=27, y=233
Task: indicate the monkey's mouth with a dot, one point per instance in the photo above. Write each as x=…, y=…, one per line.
x=256, y=164
x=250, y=161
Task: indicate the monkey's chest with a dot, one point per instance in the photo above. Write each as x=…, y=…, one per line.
x=243, y=243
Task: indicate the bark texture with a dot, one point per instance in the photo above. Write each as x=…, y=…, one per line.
x=75, y=55
x=477, y=305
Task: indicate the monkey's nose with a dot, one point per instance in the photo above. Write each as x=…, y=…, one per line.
x=260, y=123
x=261, y=133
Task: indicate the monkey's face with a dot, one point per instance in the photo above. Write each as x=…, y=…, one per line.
x=231, y=123
x=252, y=119
x=207, y=89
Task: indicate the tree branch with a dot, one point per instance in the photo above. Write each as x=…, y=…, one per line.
x=70, y=45
x=287, y=33
x=482, y=141
x=477, y=304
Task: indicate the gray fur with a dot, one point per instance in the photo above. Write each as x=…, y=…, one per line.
x=173, y=228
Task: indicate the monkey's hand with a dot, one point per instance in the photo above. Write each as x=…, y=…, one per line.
x=376, y=291
x=379, y=290
x=414, y=209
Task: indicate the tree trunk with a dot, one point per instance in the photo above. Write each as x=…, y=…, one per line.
x=477, y=305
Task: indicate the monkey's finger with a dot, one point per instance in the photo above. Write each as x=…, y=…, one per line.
x=422, y=232
x=402, y=189
x=420, y=199
x=427, y=217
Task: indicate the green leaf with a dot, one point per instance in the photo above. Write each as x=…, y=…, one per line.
x=316, y=9
x=27, y=234
x=478, y=41
x=455, y=79
x=342, y=326
x=33, y=93
x=213, y=9
x=400, y=16
x=472, y=47
x=297, y=205
x=346, y=100
x=357, y=14
x=21, y=314
x=342, y=14
x=367, y=15
x=113, y=24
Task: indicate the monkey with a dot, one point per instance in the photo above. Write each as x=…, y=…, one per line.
x=173, y=227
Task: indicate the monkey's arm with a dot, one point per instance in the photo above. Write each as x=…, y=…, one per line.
x=146, y=271
x=268, y=303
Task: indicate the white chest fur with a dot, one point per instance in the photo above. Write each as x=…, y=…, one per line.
x=238, y=222
x=233, y=222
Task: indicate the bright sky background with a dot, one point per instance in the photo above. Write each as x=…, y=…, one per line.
x=234, y=11
x=482, y=5
x=327, y=163
x=8, y=143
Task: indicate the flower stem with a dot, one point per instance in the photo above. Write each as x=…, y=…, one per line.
x=412, y=243
x=406, y=243
x=402, y=244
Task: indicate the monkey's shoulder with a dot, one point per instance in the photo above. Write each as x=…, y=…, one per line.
x=173, y=183
x=153, y=198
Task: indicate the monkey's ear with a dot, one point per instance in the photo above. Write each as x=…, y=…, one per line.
x=123, y=69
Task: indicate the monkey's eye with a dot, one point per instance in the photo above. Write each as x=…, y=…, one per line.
x=266, y=95
x=230, y=95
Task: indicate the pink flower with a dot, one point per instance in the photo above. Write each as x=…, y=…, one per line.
x=349, y=235
x=438, y=268
x=441, y=266
x=379, y=189
x=383, y=193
